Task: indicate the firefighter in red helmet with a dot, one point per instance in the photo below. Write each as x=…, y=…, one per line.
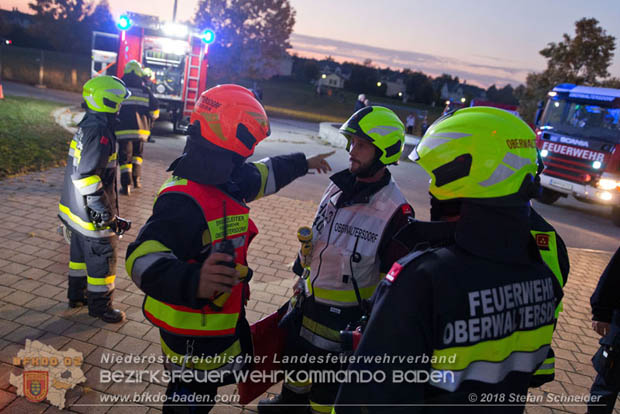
x=196, y=278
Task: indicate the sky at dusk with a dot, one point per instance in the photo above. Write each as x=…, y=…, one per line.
x=481, y=41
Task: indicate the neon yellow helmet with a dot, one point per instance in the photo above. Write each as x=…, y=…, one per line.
x=147, y=72
x=133, y=66
x=478, y=152
x=382, y=127
x=105, y=94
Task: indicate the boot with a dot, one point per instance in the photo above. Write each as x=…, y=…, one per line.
x=287, y=402
x=100, y=306
x=77, y=303
x=77, y=292
x=125, y=190
x=110, y=315
x=137, y=182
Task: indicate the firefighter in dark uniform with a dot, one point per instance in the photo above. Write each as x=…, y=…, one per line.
x=353, y=248
x=137, y=115
x=550, y=245
x=180, y=258
x=88, y=205
x=470, y=323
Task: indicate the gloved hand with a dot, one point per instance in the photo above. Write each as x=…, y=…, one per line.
x=99, y=209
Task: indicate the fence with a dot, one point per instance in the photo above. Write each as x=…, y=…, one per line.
x=43, y=67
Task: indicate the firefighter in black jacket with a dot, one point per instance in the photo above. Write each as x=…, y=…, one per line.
x=88, y=205
x=137, y=115
x=182, y=255
x=605, y=302
x=476, y=316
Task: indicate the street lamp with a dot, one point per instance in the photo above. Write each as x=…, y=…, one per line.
x=400, y=94
x=463, y=100
x=323, y=76
x=378, y=84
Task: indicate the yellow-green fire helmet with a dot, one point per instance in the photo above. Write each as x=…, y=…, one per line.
x=133, y=66
x=478, y=152
x=105, y=94
x=381, y=127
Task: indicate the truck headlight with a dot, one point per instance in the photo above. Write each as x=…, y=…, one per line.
x=607, y=184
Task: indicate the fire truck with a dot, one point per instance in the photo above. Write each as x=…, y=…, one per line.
x=578, y=134
x=176, y=54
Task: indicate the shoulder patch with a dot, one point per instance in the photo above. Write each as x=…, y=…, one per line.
x=104, y=140
x=406, y=209
x=394, y=272
x=542, y=241
x=398, y=266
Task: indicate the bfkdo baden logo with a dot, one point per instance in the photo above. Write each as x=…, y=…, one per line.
x=36, y=385
x=48, y=373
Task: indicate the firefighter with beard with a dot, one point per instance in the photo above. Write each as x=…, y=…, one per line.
x=353, y=248
x=439, y=310
x=190, y=258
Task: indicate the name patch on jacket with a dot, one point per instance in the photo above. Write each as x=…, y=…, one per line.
x=353, y=231
x=497, y=312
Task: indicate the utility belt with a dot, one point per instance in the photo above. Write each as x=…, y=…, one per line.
x=606, y=361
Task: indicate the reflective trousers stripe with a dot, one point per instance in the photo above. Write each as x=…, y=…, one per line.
x=126, y=168
x=491, y=372
x=136, y=160
x=132, y=133
x=205, y=363
x=77, y=269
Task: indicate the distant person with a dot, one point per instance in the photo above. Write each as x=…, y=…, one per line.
x=136, y=117
x=359, y=104
x=424, y=126
x=410, y=123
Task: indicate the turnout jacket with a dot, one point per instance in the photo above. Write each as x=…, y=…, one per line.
x=91, y=170
x=166, y=258
x=138, y=111
x=478, y=314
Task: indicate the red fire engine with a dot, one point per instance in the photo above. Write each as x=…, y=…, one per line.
x=578, y=134
x=176, y=54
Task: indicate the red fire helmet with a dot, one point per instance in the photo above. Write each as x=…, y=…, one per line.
x=231, y=118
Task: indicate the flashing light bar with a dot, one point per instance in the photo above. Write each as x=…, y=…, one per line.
x=208, y=36
x=123, y=23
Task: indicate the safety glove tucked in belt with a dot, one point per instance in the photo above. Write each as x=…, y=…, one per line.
x=99, y=209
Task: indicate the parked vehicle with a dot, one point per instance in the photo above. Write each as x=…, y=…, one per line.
x=175, y=53
x=578, y=134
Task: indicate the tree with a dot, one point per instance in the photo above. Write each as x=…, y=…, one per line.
x=250, y=36
x=582, y=60
x=67, y=24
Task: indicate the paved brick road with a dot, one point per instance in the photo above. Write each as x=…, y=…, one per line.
x=33, y=265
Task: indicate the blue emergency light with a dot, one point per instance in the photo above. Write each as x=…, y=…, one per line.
x=123, y=22
x=208, y=36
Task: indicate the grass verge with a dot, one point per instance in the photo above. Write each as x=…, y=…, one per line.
x=30, y=140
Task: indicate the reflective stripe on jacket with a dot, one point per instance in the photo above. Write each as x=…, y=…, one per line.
x=91, y=168
x=211, y=320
